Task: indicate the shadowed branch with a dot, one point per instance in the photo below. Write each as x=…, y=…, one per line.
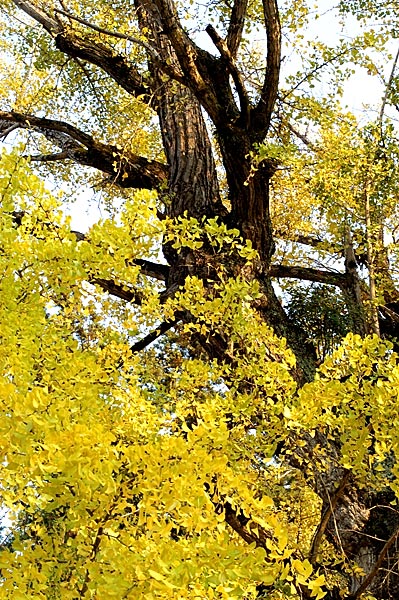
x=125, y=169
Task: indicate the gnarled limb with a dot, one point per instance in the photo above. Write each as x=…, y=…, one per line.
x=125, y=169
x=198, y=66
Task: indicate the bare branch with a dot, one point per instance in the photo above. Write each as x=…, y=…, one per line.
x=236, y=25
x=125, y=169
x=153, y=335
x=49, y=157
x=119, y=291
x=40, y=123
x=387, y=89
x=7, y=131
x=263, y=111
x=154, y=270
x=308, y=274
x=50, y=24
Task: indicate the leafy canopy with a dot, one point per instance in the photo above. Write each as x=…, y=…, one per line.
x=166, y=472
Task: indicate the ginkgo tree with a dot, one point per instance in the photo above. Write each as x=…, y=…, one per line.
x=174, y=423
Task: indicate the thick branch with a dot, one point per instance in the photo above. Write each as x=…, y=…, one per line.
x=235, y=73
x=238, y=522
x=168, y=69
x=236, y=25
x=308, y=274
x=147, y=268
x=154, y=270
x=115, y=65
x=40, y=15
x=125, y=169
x=42, y=124
x=263, y=111
x=152, y=336
x=117, y=290
x=197, y=65
x=77, y=46
x=49, y=157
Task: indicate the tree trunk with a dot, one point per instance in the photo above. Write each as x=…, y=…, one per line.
x=360, y=525
x=193, y=190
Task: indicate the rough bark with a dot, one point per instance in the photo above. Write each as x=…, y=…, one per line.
x=359, y=524
x=352, y=288
x=124, y=168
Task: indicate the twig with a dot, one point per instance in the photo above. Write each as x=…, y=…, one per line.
x=117, y=34
x=324, y=521
x=377, y=565
x=387, y=88
x=313, y=71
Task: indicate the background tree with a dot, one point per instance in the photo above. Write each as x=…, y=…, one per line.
x=223, y=461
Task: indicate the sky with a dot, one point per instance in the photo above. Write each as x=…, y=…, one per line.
x=359, y=91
